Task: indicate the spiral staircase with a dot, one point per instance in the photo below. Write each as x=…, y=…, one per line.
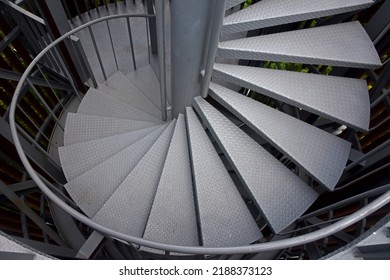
x=200, y=179
x=242, y=156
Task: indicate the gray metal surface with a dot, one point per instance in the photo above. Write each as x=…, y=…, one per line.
x=189, y=50
x=232, y=3
x=223, y=216
x=127, y=210
x=172, y=218
x=8, y=244
x=80, y=128
x=340, y=99
x=81, y=157
x=278, y=193
x=97, y=103
x=344, y=44
x=92, y=189
x=268, y=13
x=321, y=154
x=146, y=81
x=120, y=87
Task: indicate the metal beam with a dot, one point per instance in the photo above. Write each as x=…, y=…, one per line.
x=52, y=250
x=23, y=186
x=90, y=246
x=15, y=256
x=9, y=38
x=15, y=76
x=30, y=213
x=23, y=11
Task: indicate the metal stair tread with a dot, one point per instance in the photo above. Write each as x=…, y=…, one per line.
x=120, y=87
x=80, y=128
x=97, y=103
x=343, y=100
x=268, y=13
x=278, y=193
x=321, y=154
x=344, y=44
x=224, y=219
x=81, y=157
x=146, y=81
x=232, y=3
x=127, y=209
x=91, y=189
x=172, y=217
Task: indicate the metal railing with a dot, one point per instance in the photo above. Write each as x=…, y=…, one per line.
x=268, y=246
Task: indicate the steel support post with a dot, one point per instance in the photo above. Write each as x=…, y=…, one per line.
x=57, y=23
x=190, y=21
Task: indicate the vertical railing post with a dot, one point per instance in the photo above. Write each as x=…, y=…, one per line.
x=160, y=20
x=152, y=26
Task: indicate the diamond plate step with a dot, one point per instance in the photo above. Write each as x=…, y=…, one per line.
x=81, y=157
x=345, y=44
x=146, y=81
x=172, y=219
x=232, y=3
x=321, y=154
x=92, y=189
x=80, y=128
x=343, y=100
x=97, y=103
x=127, y=210
x=223, y=216
x=280, y=195
x=271, y=13
x=120, y=87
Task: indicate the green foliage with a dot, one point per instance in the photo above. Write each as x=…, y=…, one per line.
x=247, y=3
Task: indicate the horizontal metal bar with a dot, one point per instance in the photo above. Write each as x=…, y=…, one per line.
x=23, y=11
x=14, y=76
x=9, y=38
x=23, y=186
x=369, y=154
x=368, y=194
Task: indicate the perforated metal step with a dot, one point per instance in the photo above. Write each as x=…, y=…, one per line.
x=278, y=193
x=146, y=81
x=80, y=128
x=321, y=154
x=120, y=87
x=232, y=3
x=128, y=208
x=92, y=189
x=268, y=13
x=223, y=216
x=81, y=157
x=343, y=100
x=345, y=44
x=172, y=219
x=97, y=103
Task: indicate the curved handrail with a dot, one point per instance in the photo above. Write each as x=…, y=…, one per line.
x=268, y=246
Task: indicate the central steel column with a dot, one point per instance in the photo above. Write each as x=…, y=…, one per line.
x=189, y=38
